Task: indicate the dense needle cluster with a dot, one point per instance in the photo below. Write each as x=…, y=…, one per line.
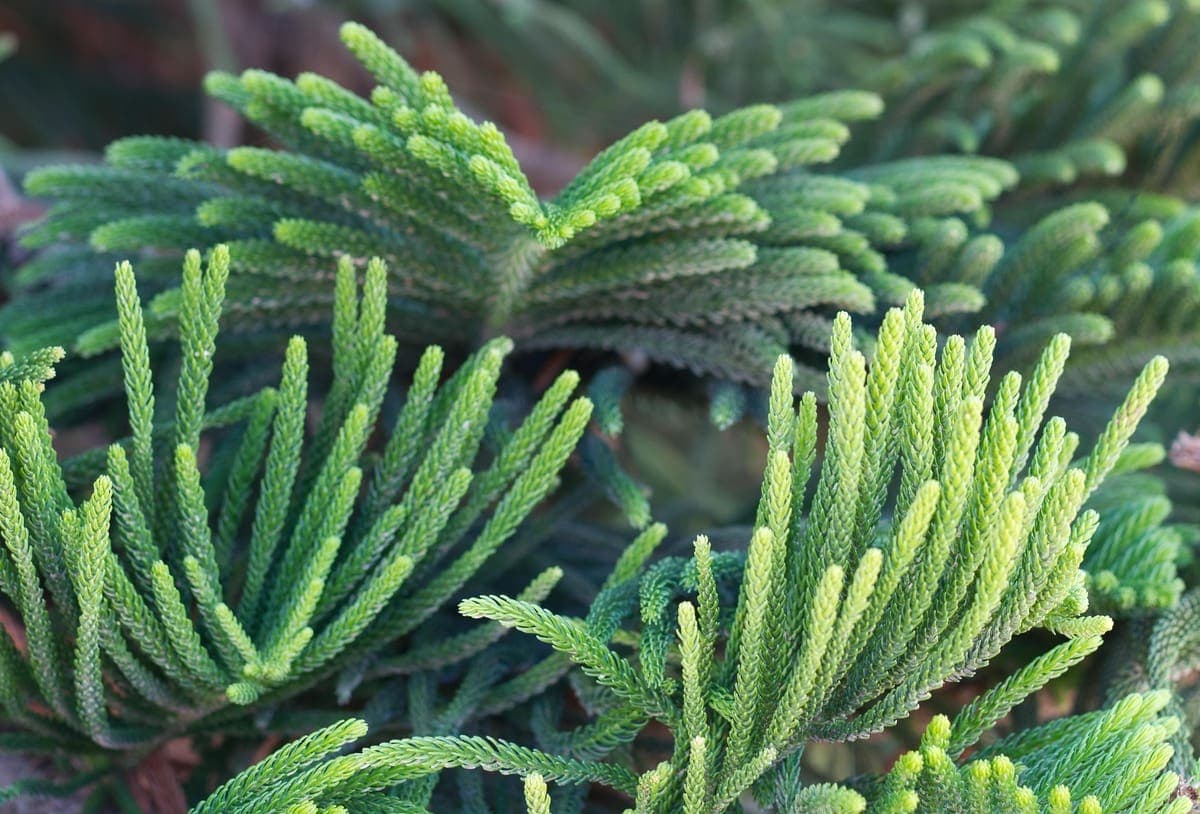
x=145, y=620
x=302, y=555
x=821, y=640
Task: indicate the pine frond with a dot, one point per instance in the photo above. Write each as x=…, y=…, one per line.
x=822, y=642
x=173, y=593
x=671, y=238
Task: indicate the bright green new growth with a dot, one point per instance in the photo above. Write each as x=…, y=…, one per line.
x=1112, y=760
x=235, y=557
x=303, y=776
x=822, y=641
x=35, y=367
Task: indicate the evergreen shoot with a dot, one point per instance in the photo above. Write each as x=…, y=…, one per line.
x=709, y=243
x=269, y=513
x=822, y=641
x=225, y=560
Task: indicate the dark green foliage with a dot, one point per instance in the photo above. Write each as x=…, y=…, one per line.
x=712, y=244
x=1132, y=562
x=1073, y=94
x=1124, y=291
x=704, y=243
x=265, y=543
x=1068, y=90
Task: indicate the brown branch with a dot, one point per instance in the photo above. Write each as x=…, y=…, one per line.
x=1185, y=452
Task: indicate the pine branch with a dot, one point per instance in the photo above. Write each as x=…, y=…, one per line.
x=136, y=631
